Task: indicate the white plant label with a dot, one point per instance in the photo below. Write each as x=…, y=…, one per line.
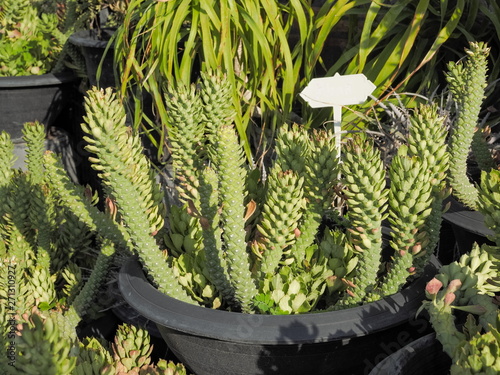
x=336, y=92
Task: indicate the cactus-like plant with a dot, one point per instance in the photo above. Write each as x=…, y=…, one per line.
x=467, y=84
x=470, y=284
x=253, y=241
x=44, y=252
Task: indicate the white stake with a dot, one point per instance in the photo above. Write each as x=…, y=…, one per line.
x=336, y=92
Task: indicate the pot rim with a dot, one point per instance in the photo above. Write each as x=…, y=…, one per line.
x=460, y=215
x=49, y=79
x=312, y=327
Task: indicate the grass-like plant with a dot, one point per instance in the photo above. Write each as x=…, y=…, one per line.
x=270, y=50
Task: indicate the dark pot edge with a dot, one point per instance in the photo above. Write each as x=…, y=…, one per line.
x=396, y=362
x=88, y=38
x=470, y=220
x=49, y=79
x=250, y=328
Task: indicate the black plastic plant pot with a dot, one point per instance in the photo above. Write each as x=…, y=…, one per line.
x=468, y=226
x=33, y=98
x=216, y=342
x=93, y=48
x=423, y=356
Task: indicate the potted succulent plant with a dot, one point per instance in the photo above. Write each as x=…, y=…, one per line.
x=48, y=295
x=462, y=305
x=467, y=81
x=33, y=83
x=252, y=249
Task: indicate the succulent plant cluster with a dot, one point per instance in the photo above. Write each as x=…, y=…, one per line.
x=33, y=36
x=45, y=288
x=467, y=81
x=470, y=284
x=254, y=240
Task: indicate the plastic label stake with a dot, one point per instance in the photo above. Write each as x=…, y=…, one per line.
x=336, y=92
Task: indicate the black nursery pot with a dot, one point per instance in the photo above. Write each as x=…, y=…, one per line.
x=344, y=342
x=93, y=48
x=423, y=356
x=33, y=98
x=467, y=225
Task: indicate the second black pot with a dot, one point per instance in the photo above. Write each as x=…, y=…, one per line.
x=33, y=98
x=423, y=356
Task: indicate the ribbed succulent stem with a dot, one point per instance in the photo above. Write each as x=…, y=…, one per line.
x=292, y=149
x=427, y=140
x=280, y=217
x=218, y=109
x=19, y=205
x=34, y=136
x=211, y=231
x=41, y=212
x=185, y=135
x=6, y=164
x=320, y=173
x=467, y=82
x=126, y=172
x=410, y=202
x=443, y=322
x=232, y=175
x=489, y=202
x=366, y=197
x=118, y=151
x=481, y=151
x=74, y=198
x=87, y=294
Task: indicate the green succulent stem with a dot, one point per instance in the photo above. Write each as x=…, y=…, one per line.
x=211, y=232
x=231, y=174
x=443, y=322
x=185, y=135
x=488, y=202
x=74, y=197
x=467, y=83
x=281, y=214
x=410, y=202
x=481, y=151
x=126, y=172
x=87, y=294
x=427, y=140
x=366, y=197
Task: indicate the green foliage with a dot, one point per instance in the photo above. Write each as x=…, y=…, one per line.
x=470, y=284
x=45, y=287
x=31, y=37
x=267, y=49
x=256, y=242
x=33, y=33
x=467, y=83
x=270, y=50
